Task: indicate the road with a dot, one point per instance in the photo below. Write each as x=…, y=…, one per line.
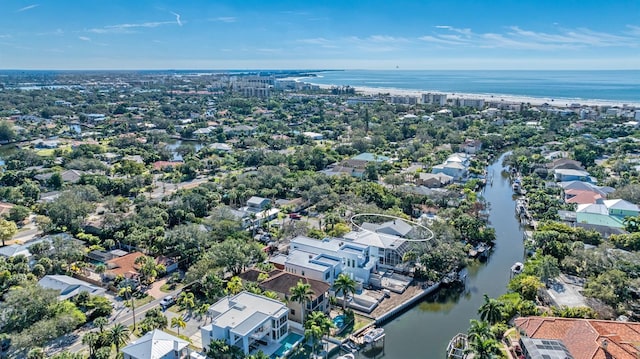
x=121, y=314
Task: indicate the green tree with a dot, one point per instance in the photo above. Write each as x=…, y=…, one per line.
x=302, y=294
x=479, y=329
x=7, y=230
x=346, y=285
x=484, y=348
x=234, y=285
x=128, y=292
x=219, y=349
x=316, y=326
x=91, y=340
x=18, y=213
x=186, y=300
x=491, y=310
x=6, y=132
x=119, y=335
x=149, y=269
x=178, y=322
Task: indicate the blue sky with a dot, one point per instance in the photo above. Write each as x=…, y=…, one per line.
x=241, y=34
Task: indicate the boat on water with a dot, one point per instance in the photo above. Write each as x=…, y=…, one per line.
x=517, y=268
x=374, y=335
x=457, y=347
x=347, y=356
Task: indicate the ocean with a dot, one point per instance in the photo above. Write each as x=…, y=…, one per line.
x=617, y=86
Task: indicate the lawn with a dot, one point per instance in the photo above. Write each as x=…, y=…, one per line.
x=168, y=288
x=360, y=322
x=176, y=309
x=139, y=301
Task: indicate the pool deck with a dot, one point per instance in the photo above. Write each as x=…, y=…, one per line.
x=396, y=303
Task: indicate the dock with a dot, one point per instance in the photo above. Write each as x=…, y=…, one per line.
x=426, y=290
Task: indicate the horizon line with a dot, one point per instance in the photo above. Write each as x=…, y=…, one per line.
x=303, y=70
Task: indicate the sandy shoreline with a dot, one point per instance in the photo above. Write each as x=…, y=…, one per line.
x=536, y=101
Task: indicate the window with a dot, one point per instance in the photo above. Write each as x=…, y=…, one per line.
x=303, y=273
x=326, y=276
x=293, y=312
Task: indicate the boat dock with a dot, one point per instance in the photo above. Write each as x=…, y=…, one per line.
x=457, y=346
x=426, y=290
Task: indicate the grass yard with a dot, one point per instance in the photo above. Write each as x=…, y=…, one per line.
x=139, y=301
x=168, y=288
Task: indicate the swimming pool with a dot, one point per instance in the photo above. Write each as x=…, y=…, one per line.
x=339, y=321
x=288, y=343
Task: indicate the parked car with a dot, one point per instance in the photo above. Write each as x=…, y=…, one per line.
x=294, y=216
x=167, y=301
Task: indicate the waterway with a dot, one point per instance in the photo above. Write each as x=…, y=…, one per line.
x=425, y=330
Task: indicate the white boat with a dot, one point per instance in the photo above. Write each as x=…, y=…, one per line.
x=346, y=356
x=374, y=335
x=517, y=268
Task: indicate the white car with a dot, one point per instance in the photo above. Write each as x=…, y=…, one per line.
x=167, y=301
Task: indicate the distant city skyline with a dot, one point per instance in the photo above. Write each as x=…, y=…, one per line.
x=229, y=34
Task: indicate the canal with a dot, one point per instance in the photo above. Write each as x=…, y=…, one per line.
x=425, y=330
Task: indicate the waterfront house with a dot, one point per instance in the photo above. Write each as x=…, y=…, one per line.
x=432, y=180
x=583, y=338
x=471, y=146
x=607, y=213
x=385, y=243
x=455, y=166
x=247, y=321
x=566, y=175
x=68, y=286
x=157, y=344
x=325, y=259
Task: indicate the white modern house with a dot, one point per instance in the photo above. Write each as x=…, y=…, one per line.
x=157, y=344
x=455, y=166
x=325, y=259
x=247, y=321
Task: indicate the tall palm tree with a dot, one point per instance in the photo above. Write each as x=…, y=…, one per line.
x=125, y=292
x=259, y=355
x=302, y=294
x=219, y=349
x=119, y=335
x=178, y=322
x=320, y=320
x=346, y=285
x=491, y=310
x=91, y=339
x=234, y=286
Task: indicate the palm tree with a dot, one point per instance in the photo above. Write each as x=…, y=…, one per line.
x=101, y=322
x=491, y=310
x=125, y=292
x=259, y=355
x=36, y=353
x=186, y=300
x=484, y=348
x=302, y=294
x=91, y=339
x=479, y=329
x=219, y=349
x=320, y=320
x=234, y=286
x=346, y=285
x=178, y=322
x=119, y=335
x=313, y=333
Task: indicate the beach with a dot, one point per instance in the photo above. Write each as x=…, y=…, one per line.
x=487, y=97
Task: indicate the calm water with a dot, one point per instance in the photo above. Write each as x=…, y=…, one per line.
x=425, y=330
x=576, y=85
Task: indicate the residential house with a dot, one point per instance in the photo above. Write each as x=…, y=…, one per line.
x=582, y=338
x=222, y=147
x=166, y=165
x=280, y=282
x=325, y=259
x=15, y=249
x=586, y=186
x=371, y=157
x=5, y=208
x=68, y=176
x=433, y=180
x=455, y=166
x=69, y=286
x=565, y=163
x=386, y=247
x=313, y=135
x=581, y=196
x=608, y=213
x=124, y=266
x=247, y=321
x=566, y=175
x=471, y=146
x=157, y=344
x=257, y=204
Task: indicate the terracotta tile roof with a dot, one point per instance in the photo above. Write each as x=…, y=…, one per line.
x=124, y=265
x=284, y=281
x=584, y=337
x=158, y=165
x=582, y=196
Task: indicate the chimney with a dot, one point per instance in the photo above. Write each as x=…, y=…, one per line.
x=604, y=344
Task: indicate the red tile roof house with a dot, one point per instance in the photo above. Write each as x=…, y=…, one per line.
x=162, y=165
x=586, y=338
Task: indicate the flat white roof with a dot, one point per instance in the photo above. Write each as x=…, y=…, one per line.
x=244, y=312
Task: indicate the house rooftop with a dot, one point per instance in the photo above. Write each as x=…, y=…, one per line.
x=243, y=312
x=69, y=286
x=586, y=338
x=155, y=344
x=284, y=281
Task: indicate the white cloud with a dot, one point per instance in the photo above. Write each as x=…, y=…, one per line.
x=84, y=38
x=129, y=28
x=29, y=7
x=177, y=18
x=518, y=38
x=227, y=19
